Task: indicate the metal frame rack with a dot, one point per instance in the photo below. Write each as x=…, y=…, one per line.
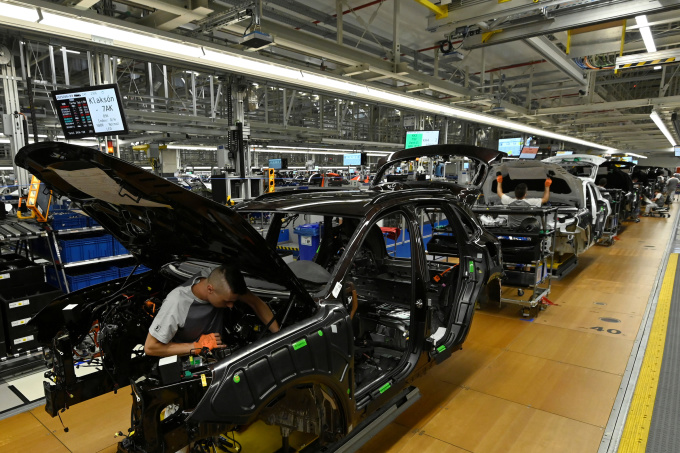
x=532, y=263
x=612, y=224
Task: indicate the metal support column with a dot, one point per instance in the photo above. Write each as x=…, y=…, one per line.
x=338, y=15
x=396, y=47
x=15, y=124
x=67, y=79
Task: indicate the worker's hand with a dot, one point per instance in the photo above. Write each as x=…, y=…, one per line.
x=548, y=182
x=210, y=341
x=499, y=179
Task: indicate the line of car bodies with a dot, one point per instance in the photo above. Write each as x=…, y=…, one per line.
x=390, y=292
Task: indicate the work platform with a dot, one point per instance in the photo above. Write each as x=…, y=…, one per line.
x=544, y=384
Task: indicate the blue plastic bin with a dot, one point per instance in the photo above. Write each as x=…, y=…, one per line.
x=66, y=220
x=118, y=248
x=308, y=239
x=85, y=249
x=82, y=278
x=125, y=271
x=284, y=235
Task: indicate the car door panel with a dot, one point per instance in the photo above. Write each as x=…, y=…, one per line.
x=318, y=351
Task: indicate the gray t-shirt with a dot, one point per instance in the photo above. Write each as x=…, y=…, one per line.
x=183, y=318
x=516, y=220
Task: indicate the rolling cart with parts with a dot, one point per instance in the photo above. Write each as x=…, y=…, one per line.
x=528, y=253
x=612, y=224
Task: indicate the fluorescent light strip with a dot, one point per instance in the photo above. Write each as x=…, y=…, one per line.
x=124, y=36
x=662, y=127
x=646, y=33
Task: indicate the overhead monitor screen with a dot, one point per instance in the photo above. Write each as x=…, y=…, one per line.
x=354, y=159
x=511, y=146
x=677, y=151
x=91, y=111
x=627, y=159
x=529, y=152
x=421, y=138
x=278, y=164
x=564, y=153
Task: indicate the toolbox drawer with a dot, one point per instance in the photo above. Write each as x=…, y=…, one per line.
x=25, y=301
x=20, y=272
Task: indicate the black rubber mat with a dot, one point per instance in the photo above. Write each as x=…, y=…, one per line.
x=664, y=435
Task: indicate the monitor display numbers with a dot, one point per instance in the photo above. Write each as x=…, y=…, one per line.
x=529, y=152
x=511, y=146
x=91, y=111
x=415, y=139
x=353, y=159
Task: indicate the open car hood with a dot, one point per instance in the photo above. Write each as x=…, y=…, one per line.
x=483, y=157
x=155, y=219
x=581, y=165
x=566, y=188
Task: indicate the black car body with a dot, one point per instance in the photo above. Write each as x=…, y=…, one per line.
x=372, y=310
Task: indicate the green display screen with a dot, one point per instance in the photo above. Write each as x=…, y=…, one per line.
x=421, y=138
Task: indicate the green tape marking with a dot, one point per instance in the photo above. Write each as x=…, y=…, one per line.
x=321, y=333
x=472, y=267
x=299, y=344
x=385, y=387
x=441, y=348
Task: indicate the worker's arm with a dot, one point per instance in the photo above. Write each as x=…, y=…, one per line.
x=499, y=186
x=546, y=191
x=159, y=349
x=261, y=310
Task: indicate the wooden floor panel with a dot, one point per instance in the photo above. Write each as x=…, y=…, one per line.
x=482, y=423
x=584, y=349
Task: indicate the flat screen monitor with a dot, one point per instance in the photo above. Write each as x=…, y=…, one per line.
x=351, y=171
x=91, y=111
x=421, y=138
x=278, y=164
x=564, y=153
x=511, y=146
x=466, y=166
x=354, y=159
x=677, y=150
x=627, y=159
x=529, y=152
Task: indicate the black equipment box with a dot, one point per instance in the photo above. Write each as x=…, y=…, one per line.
x=16, y=271
x=19, y=305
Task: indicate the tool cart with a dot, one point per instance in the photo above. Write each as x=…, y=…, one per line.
x=528, y=253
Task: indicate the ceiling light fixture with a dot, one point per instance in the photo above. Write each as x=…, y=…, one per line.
x=662, y=127
x=646, y=33
x=61, y=21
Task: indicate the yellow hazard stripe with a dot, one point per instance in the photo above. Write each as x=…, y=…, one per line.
x=648, y=63
x=636, y=431
x=282, y=247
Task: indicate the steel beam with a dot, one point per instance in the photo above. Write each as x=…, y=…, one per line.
x=544, y=47
x=671, y=101
x=583, y=18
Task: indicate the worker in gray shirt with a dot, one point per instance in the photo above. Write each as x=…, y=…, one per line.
x=669, y=190
x=191, y=316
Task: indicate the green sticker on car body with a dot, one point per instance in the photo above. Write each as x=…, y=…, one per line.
x=237, y=379
x=441, y=348
x=299, y=344
x=385, y=387
x=472, y=267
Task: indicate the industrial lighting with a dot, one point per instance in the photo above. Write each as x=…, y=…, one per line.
x=646, y=33
x=129, y=39
x=636, y=155
x=656, y=68
x=662, y=127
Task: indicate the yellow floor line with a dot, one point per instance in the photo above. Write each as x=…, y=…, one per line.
x=636, y=430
